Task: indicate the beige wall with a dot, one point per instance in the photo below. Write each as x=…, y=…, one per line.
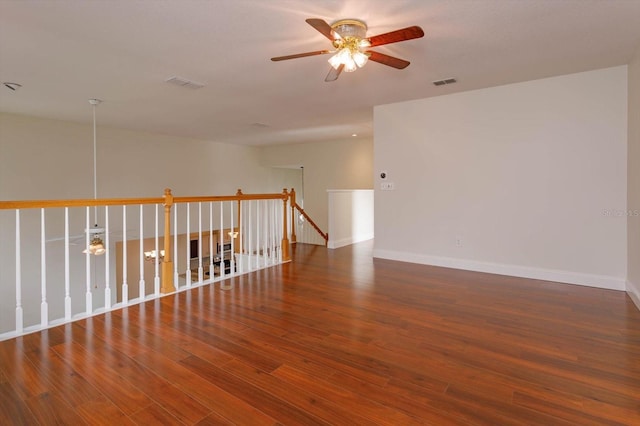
x=341, y=164
x=44, y=159
x=527, y=179
x=633, y=182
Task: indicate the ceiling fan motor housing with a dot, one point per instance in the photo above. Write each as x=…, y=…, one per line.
x=349, y=28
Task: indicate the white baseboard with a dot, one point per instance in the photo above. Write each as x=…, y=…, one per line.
x=590, y=280
x=634, y=293
x=334, y=244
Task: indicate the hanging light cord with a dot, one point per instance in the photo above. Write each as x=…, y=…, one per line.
x=302, y=204
x=95, y=102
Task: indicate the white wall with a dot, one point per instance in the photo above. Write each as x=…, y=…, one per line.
x=525, y=179
x=342, y=164
x=633, y=182
x=350, y=216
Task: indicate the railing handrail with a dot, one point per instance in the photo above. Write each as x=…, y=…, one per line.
x=79, y=202
x=91, y=202
x=324, y=236
x=237, y=197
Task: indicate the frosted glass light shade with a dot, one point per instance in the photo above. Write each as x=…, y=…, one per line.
x=96, y=247
x=335, y=61
x=360, y=59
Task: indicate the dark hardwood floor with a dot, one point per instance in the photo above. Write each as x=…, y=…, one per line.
x=336, y=337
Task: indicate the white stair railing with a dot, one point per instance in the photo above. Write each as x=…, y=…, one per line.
x=47, y=282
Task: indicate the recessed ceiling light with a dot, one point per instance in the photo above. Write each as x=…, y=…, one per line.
x=354, y=134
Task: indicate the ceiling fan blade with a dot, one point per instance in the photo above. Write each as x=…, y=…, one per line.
x=72, y=238
x=300, y=55
x=408, y=33
x=321, y=26
x=334, y=74
x=388, y=60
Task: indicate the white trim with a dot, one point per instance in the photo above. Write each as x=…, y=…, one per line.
x=334, y=244
x=568, y=277
x=349, y=190
x=634, y=293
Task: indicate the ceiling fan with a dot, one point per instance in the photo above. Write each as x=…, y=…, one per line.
x=93, y=234
x=352, y=46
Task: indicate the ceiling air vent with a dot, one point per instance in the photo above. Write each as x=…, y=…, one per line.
x=444, y=81
x=183, y=82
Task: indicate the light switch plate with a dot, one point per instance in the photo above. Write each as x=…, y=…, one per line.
x=387, y=186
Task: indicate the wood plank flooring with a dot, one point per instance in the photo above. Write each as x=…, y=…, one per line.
x=338, y=338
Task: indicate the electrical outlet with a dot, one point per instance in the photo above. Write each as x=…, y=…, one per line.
x=458, y=242
x=387, y=186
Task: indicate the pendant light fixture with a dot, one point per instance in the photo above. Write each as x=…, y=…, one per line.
x=96, y=246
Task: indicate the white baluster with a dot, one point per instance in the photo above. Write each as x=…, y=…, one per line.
x=276, y=246
x=232, y=260
x=261, y=234
x=19, y=310
x=125, y=285
x=67, y=276
x=221, y=241
x=156, y=261
x=176, y=283
x=255, y=247
x=272, y=227
x=239, y=243
x=44, y=307
x=267, y=232
x=141, y=284
x=188, y=239
x=107, y=277
x=211, y=240
x=200, y=270
x=88, y=296
x=241, y=240
x=280, y=231
x=267, y=254
x=258, y=219
x=249, y=242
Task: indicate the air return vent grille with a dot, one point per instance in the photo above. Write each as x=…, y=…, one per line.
x=444, y=81
x=183, y=82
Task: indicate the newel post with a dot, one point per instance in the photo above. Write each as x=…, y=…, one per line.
x=285, y=241
x=292, y=198
x=167, y=264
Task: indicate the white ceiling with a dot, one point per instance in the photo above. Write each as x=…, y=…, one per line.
x=67, y=51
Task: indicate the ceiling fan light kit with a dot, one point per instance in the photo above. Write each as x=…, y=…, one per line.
x=349, y=39
x=96, y=247
x=352, y=46
x=152, y=255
